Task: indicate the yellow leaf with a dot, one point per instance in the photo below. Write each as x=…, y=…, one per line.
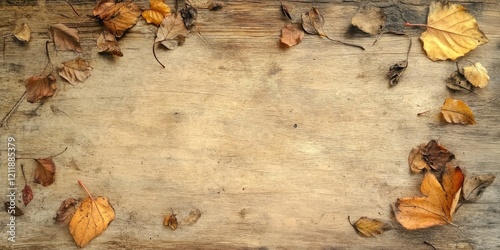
x=22, y=33
x=158, y=11
x=369, y=228
x=477, y=75
x=456, y=111
x=451, y=32
x=90, y=219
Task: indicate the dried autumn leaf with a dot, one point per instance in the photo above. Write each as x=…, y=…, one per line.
x=170, y=221
x=22, y=32
x=369, y=19
x=75, y=71
x=437, y=205
x=117, y=17
x=172, y=31
x=200, y=4
x=215, y=6
x=396, y=72
x=66, y=211
x=369, y=228
x=193, y=217
x=313, y=21
x=38, y=87
x=27, y=194
x=416, y=160
x=477, y=75
x=90, y=219
x=158, y=10
x=106, y=43
x=45, y=171
x=189, y=15
x=284, y=10
x=65, y=38
x=456, y=111
x=12, y=209
x=291, y=35
x=436, y=155
x=458, y=82
x=475, y=186
x=451, y=32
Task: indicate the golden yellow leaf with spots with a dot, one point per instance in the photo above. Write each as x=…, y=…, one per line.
x=90, y=219
x=158, y=11
x=457, y=111
x=451, y=32
x=477, y=75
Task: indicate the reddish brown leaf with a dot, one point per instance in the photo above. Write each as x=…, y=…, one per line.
x=27, y=195
x=117, y=17
x=106, y=43
x=291, y=35
x=65, y=38
x=45, y=171
x=436, y=155
x=12, y=209
x=75, y=71
x=38, y=87
x=66, y=211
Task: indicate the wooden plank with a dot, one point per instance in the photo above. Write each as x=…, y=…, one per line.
x=275, y=147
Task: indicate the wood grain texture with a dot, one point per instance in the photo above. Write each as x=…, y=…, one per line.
x=275, y=147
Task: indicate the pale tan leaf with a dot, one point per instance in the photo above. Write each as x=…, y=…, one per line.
x=106, y=43
x=370, y=20
x=474, y=186
x=369, y=228
x=75, y=71
x=313, y=21
x=172, y=31
x=416, y=160
x=22, y=32
x=456, y=111
x=477, y=75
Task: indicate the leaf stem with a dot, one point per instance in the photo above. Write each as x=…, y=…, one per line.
x=86, y=190
x=8, y=115
x=154, y=54
x=344, y=43
x=22, y=170
x=70, y=5
x=59, y=153
x=349, y=219
x=408, y=24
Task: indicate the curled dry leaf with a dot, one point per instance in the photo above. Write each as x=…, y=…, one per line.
x=456, y=111
x=396, y=72
x=12, y=209
x=27, y=194
x=193, y=217
x=22, y=32
x=45, y=171
x=66, y=211
x=416, y=160
x=158, y=10
x=436, y=155
x=65, y=38
x=458, y=82
x=90, y=219
x=370, y=20
x=106, y=43
x=189, y=15
x=474, y=186
x=369, y=228
x=437, y=205
x=477, y=75
x=313, y=21
x=284, y=10
x=38, y=87
x=172, y=31
x=170, y=221
x=451, y=32
x=291, y=35
x=75, y=71
x=117, y=17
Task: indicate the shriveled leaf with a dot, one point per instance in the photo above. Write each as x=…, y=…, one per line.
x=38, y=87
x=158, y=10
x=193, y=217
x=369, y=228
x=172, y=31
x=451, y=32
x=456, y=111
x=370, y=20
x=436, y=155
x=106, y=43
x=458, y=82
x=22, y=32
x=291, y=35
x=477, y=75
x=396, y=72
x=117, y=17
x=12, y=209
x=45, y=171
x=75, y=71
x=189, y=15
x=474, y=186
x=437, y=205
x=27, y=194
x=416, y=160
x=284, y=10
x=66, y=211
x=313, y=21
x=65, y=38
x=170, y=221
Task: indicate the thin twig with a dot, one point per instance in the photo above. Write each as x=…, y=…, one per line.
x=22, y=170
x=344, y=43
x=154, y=54
x=429, y=244
x=6, y=118
x=70, y=5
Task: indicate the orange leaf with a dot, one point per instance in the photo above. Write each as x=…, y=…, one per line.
x=438, y=204
x=117, y=17
x=65, y=38
x=170, y=221
x=38, y=87
x=45, y=171
x=456, y=111
x=291, y=35
x=158, y=11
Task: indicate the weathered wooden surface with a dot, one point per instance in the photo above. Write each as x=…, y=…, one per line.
x=275, y=147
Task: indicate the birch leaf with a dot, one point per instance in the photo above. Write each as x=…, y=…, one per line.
x=477, y=75
x=457, y=111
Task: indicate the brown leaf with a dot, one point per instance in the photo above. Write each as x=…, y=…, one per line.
x=436, y=155
x=189, y=15
x=416, y=160
x=22, y=32
x=396, y=72
x=170, y=221
x=117, y=17
x=477, y=75
x=369, y=228
x=199, y=4
x=65, y=38
x=215, y=6
x=172, y=31
x=75, y=71
x=284, y=10
x=158, y=10
x=193, y=217
x=458, y=82
x=27, y=194
x=66, y=211
x=90, y=219
x=370, y=20
x=475, y=186
x=45, y=171
x=456, y=111
x=106, y=43
x=12, y=209
x=437, y=205
x=291, y=35
x=312, y=22
x=38, y=87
